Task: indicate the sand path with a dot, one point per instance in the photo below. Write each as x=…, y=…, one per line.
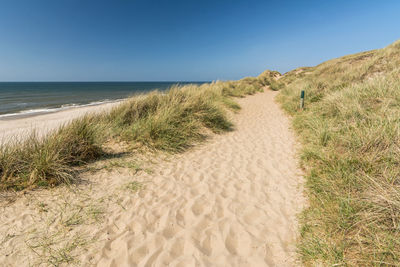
x=231, y=201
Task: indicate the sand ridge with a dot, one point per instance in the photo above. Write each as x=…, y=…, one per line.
x=231, y=201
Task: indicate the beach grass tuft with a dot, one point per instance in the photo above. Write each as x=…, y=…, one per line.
x=45, y=161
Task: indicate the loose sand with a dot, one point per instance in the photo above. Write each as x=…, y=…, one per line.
x=231, y=201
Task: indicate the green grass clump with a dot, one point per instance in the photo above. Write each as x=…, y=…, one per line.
x=246, y=86
x=170, y=121
x=48, y=160
x=350, y=130
x=134, y=186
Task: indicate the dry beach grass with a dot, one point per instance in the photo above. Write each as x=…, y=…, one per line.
x=351, y=137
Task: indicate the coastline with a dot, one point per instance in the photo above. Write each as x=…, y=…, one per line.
x=18, y=127
x=21, y=99
x=46, y=110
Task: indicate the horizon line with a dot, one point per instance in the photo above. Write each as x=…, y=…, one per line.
x=187, y=81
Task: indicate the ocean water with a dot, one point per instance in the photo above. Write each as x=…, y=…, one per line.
x=31, y=98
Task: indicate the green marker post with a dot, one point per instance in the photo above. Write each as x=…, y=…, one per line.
x=302, y=99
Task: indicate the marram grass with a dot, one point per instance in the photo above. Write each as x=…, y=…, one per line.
x=171, y=121
x=350, y=131
x=48, y=161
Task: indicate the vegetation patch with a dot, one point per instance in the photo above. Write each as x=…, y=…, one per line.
x=52, y=250
x=350, y=131
x=134, y=186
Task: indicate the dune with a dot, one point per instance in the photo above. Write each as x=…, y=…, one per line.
x=231, y=201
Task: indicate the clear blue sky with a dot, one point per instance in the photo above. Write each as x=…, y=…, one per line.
x=169, y=40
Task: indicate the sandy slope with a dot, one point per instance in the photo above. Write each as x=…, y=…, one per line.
x=229, y=202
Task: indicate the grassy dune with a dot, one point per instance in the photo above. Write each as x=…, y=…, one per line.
x=350, y=130
x=171, y=121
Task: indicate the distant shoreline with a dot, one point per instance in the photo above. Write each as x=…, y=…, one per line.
x=26, y=99
x=41, y=124
x=43, y=111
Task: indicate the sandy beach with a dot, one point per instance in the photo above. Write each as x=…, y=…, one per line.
x=231, y=201
x=44, y=123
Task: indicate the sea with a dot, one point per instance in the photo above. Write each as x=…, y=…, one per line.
x=22, y=99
